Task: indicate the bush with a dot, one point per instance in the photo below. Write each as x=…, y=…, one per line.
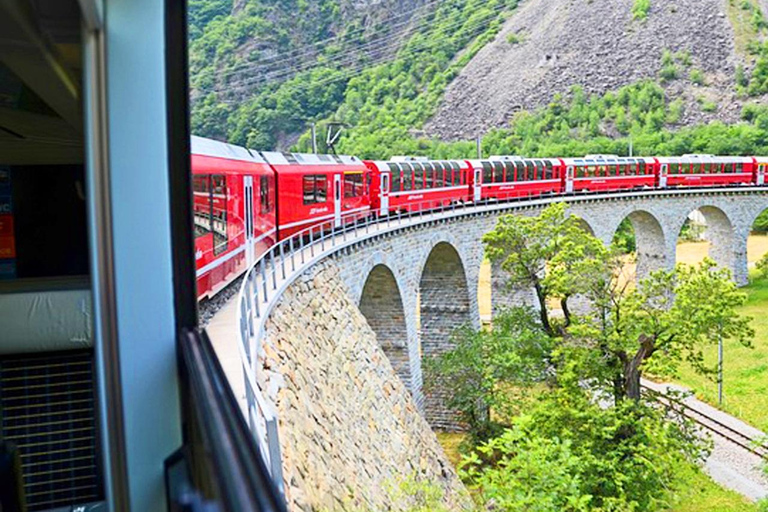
x=697, y=77
x=640, y=9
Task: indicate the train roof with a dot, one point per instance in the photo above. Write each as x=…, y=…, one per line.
x=606, y=160
x=384, y=165
x=687, y=159
x=514, y=159
x=209, y=147
x=279, y=158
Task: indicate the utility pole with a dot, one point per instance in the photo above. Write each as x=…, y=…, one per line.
x=720, y=365
x=478, y=141
x=314, y=137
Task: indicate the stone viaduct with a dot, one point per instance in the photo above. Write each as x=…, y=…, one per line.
x=416, y=286
x=398, y=294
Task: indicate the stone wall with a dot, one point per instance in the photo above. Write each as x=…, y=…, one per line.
x=350, y=432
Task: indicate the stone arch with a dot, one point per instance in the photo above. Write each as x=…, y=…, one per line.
x=444, y=305
x=724, y=246
x=757, y=246
x=650, y=243
x=382, y=305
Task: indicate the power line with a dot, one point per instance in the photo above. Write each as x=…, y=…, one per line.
x=306, y=51
x=350, y=72
x=287, y=71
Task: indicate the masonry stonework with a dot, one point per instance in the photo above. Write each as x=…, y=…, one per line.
x=347, y=422
x=350, y=433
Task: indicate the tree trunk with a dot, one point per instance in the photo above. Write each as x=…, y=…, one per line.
x=632, y=371
x=543, y=313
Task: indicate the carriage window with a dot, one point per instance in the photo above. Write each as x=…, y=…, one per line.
x=407, y=177
x=439, y=178
x=219, y=194
x=548, y=170
x=201, y=186
x=314, y=189
x=395, y=177
x=429, y=175
x=353, y=185
x=641, y=167
x=264, y=187
x=738, y=167
x=498, y=172
x=487, y=172
x=457, y=176
x=539, y=170
x=509, y=170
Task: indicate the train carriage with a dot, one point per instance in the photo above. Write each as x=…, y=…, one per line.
x=761, y=169
x=409, y=185
x=234, y=211
x=595, y=173
x=318, y=189
x=706, y=171
x=501, y=178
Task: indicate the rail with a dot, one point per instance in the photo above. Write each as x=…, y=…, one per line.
x=281, y=264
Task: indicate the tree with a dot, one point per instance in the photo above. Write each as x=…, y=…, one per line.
x=670, y=315
x=481, y=371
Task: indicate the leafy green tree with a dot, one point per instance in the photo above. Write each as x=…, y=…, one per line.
x=481, y=371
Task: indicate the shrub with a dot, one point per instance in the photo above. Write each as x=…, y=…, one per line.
x=697, y=77
x=640, y=9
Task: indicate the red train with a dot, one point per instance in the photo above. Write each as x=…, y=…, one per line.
x=245, y=201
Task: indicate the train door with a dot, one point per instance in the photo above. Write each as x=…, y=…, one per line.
x=384, y=193
x=569, y=179
x=248, y=219
x=663, y=171
x=478, y=185
x=761, y=174
x=337, y=200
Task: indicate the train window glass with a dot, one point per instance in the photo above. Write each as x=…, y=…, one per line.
x=539, y=170
x=439, y=174
x=738, y=167
x=264, y=194
x=321, y=188
x=509, y=171
x=429, y=175
x=641, y=167
x=353, y=185
x=219, y=194
x=498, y=172
x=418, y=176
x=487, y=172
x=201, y=186
x=458, y=178
x=407, y=176
x=519, y=171
x=548, y=170
x=396, y=177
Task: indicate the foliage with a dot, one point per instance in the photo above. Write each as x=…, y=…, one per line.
x=762, y=266
x=697, y=77
x=761, y=223
x=691, y=231
x=340, y=79
x=481, y=370
x=640, y=9
x=569, y=453
x=624, y=239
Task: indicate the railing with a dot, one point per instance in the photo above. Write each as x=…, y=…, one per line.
x=274, y=270
x=219, y=466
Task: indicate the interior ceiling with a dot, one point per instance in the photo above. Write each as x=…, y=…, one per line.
x=40, y=82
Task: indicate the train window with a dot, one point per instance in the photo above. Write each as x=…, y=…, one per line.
x=219, y=194
x=201, y=186
x=498, y=172
x=487, y=172
x=407, y=176
x=314, y=189
x=264, y=187
x=641, y=168
x=548, y=170
x=458, y=179
x=429, y=175
x=439, y=174
x=539, y=170
x=738, y=167
x=353, y=185
x=509, y=171
x=394, y=178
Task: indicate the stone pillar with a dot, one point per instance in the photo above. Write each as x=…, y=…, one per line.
x=382, y=307
x=652, y=252
x=726, y=249
x=444, y=306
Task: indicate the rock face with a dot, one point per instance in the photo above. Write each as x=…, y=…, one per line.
x=350, y=432
x=596, y=44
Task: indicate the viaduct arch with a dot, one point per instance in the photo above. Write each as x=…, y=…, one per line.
x=416, y=286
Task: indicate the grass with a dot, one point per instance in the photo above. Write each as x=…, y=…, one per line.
x=745, y=30
x=693, y=492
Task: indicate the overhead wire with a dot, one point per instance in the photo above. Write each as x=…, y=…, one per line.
x=288, y=71
x=385, y=29
x=351, y=72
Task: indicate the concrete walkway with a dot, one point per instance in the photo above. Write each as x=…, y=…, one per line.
x=729, y=465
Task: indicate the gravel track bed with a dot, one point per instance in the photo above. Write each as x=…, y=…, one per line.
x=209, y=307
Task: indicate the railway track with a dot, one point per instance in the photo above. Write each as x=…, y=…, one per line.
x=734, y=436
